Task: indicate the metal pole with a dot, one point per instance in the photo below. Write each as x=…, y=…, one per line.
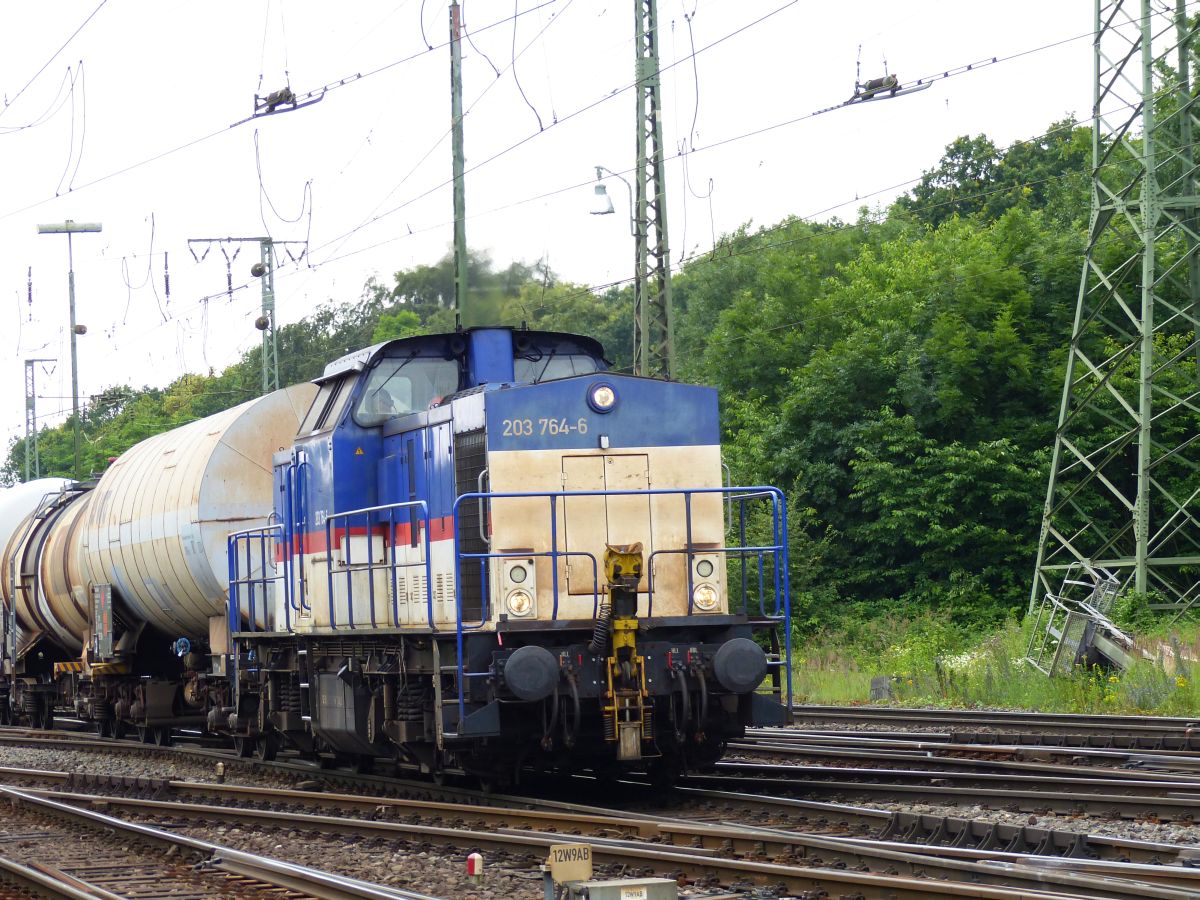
x=30, y=415
x=653, y=344
x=69, y=228
x=270, y=344
x=74, y=353
x=460, y=202
x=1150, y=215
x=1187, y=105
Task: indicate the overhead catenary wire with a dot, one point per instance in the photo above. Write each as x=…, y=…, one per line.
x=72, y=156
x=371, y=216
x=8, y=103
x=60, y=99
x=194, y=142
x=869, y=195
x=529, y=137
x=858, y=197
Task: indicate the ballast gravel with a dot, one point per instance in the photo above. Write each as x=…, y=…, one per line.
x=440, y=871
x=437, y=871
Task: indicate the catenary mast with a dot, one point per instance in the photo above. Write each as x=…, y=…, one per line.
x=1124, y=487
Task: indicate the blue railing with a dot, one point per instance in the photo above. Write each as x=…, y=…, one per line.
x=777, y=550
x=766, y=562
x=295, y=509
x=260, y=589
x=377, y=520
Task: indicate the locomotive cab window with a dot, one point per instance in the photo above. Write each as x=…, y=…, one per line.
x=327, y=407
x=537, y=361
x=396, y=387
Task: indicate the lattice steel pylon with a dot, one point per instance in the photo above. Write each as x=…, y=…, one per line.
x=1124, y=487
x=653, y=346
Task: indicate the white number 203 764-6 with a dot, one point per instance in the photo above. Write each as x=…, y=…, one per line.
x=551, y=426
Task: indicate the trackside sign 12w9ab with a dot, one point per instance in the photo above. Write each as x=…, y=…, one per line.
x=570, y=862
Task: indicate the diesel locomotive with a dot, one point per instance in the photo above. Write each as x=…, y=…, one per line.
x=479, y=551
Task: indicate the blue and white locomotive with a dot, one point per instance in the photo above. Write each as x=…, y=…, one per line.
x=487, y=551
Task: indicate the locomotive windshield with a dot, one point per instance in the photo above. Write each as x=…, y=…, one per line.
x=550, y=366
x=396, y=387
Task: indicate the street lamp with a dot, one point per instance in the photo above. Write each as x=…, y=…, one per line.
x=69, y=228
x=603, y=205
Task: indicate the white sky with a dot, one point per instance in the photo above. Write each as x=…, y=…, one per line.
x=154, y=77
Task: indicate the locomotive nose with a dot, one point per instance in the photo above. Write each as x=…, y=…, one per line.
x=531, y=673
x=740, y=665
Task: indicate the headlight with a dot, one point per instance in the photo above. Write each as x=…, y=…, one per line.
x=705, y=597
x=602, y=397
x=517, y=574
x=704, y=568
x=520, y=603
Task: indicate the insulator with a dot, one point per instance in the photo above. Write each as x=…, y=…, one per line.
x=167, y=276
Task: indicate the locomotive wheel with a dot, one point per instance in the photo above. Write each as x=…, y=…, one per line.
x=104, y=728
x=243, y=746
x=46, y=718
x=162, y=735
x=119, y=729
x=145, y=734
x=266, y=747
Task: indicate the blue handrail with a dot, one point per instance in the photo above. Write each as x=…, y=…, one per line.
x=778, y=550
x=264, y=582
x=392, y=566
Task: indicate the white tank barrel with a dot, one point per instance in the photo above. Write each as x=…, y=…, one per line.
x=158, y=520
x=18, y=558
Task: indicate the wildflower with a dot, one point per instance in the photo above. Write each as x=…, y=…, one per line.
x=1180, y=681
x=1113, y=679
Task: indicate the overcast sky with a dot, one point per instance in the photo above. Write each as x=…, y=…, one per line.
x=128, y=125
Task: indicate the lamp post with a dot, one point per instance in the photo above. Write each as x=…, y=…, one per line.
x=603, y=205
x=69, y=228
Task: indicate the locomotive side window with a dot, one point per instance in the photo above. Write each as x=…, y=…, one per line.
x=397, y=387
x=327, y=407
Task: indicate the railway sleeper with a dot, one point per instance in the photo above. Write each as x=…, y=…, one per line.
x=951, y=831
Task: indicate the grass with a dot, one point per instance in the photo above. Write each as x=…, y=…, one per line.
x=931, y=662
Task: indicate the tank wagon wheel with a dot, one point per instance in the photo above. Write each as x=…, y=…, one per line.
x=243, y=746
x=119, y=729
x=46, y=718
x=103, y=728
x=145, y=734
x=162, y=735
x=266, y=747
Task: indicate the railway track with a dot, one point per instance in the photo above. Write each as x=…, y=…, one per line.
x=798, y=843
x=940, y=749
x=56, y=849
x=730, y=854
x=1041, y=729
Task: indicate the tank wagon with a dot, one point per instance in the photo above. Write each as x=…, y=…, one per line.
x=473, y=551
